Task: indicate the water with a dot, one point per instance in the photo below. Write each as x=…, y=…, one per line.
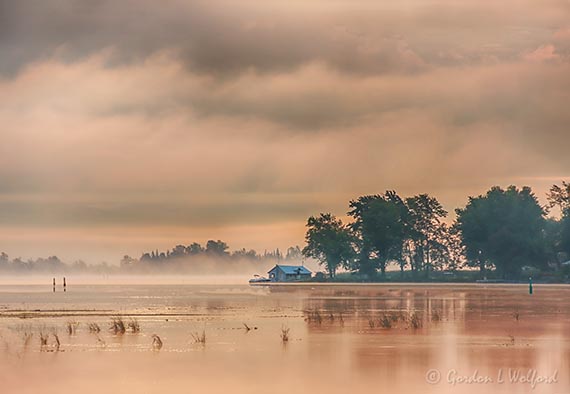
x=443, y=338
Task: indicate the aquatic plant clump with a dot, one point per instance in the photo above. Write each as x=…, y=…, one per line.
x=156, y=342
x=118, y=325
x=94, y=328
x=199, y=337
x=285, y=334
x=134, y=326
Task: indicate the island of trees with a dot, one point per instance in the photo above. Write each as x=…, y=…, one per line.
x=503, y=234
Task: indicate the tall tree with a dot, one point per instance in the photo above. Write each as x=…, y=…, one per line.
x=217, y=248
x=329, y=241
x=503, y=228
x=553, y=235
x=559, y=196
x=293, y=253
x=427, y=232
x=455, y=248
x=194, y=248
x=380, y=224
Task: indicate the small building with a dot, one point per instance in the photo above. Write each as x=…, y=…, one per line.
x=289, y=273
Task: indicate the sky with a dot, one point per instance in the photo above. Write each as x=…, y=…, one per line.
x=127, y=126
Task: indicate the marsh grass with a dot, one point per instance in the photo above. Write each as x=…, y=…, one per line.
x=248, y=328
x=284, y=334
x=71, y=327
x=199, y=337
x=118, y=326
x=314, y=316
x=156, y=342
x=43, y=339
x=57, y=342
x=134, y=325
x=101, y=342
x=94, y=328
x=27, y=338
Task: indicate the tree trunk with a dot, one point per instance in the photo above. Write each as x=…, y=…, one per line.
x=366, y=269
x=482, y=268
x=428, y=260
x=332, y=271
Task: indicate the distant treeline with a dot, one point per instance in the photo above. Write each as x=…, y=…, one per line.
x=213, y=257
x=504, y=233
x=50, y=265
x=194, y=258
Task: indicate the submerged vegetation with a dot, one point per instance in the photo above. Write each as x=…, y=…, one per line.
x=386, y=320
x=134, y=325
x=199, y=337
x=118, y=325
x=156, y=342
x=72, y=327
x=372, y=320
x=285, y=334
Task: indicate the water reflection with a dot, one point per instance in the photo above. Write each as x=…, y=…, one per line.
x=482, y=333
x=342, y=338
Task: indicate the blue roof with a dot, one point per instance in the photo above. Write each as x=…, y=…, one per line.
x=292, y=269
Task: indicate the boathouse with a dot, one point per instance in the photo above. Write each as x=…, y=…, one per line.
x=289, y=273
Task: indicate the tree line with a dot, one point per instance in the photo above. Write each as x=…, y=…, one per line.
x=504, y=232
x=50, y=265
x=213, y=256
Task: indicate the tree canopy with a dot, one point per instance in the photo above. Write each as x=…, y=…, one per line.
x=559, y=196
x=380, y=227
x=329, y=241
x=504, y=228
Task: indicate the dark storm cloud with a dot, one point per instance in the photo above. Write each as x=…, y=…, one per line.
x=214, y=37
x=228, y=37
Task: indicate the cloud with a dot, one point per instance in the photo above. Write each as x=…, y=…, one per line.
x=227, y=38
x=209, y=120
x=156, y=126
x=542, y=54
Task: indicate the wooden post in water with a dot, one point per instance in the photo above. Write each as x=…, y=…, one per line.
x=54, y=285
x=64, y=285
x=530, y=285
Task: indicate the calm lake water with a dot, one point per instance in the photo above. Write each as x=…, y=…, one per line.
x=350, y=338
